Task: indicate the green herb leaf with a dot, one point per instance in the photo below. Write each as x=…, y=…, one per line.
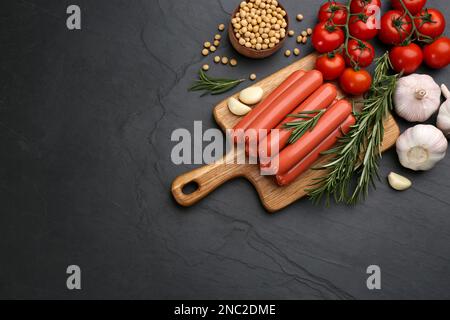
x=300, y=127
x=213, y=85
x=358, y=152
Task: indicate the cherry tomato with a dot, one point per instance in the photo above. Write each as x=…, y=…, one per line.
x=355, y=82
x=334, y=10
x=361, y=52
x=364, y=6
x=413, y=6
x=406, y=58
x=437, y=54
x=331, y=66
x=326, y=37
x=394, y=27
x=430, y=22
x=363, y=27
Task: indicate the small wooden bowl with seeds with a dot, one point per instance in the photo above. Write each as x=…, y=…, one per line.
x=271, y=43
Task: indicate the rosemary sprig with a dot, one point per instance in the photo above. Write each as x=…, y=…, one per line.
x=213, y=85
x=300, y=127
x=360, y=150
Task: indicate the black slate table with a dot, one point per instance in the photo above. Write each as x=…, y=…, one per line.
x=85, y=123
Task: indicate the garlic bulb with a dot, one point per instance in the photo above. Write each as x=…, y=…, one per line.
x=443, y=119
x=421, y=147
x=417, y=97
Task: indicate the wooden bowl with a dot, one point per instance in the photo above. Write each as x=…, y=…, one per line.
x=250, y=52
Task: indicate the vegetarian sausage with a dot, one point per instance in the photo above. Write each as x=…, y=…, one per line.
x=308, y=161
x=285, y=103
x=263, y=105
x=295, y=152
x=320, y=99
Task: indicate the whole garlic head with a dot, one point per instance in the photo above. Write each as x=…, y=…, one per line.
x=417, y=97
x=443, y=119
x=421, y=147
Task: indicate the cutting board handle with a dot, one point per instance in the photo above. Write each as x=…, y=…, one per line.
x=207, y=179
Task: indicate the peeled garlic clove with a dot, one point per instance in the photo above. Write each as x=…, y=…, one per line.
x=237, y=108
x=443, y=119
x=399, y=182
x=251, y=95
x=417, y=97
x=421, y=147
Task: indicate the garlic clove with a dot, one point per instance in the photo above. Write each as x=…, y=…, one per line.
x=238, y=108
x=443, y=119
x=417, y=97
x=251, y=95
x=399, y=182
x=421, y=147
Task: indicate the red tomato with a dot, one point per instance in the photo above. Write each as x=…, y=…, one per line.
x=326, y=37
x=331, y=66
x=363, y=6
x=414, y=6
x=394, y=27
x=361, y=52
x=406, y=58
x=355, y=82
x=363, y=27
x=334, y=10
x=430, y=22
x=437, y=54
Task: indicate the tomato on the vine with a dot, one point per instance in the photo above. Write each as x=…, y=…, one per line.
x=331, y=65
x=395, y=27
x=361, y=53
x=355, y=82
x=327, y=37
x=364, y=6
x=406, y=58
x=413, y=6
x=363, y=27
x=430, y=22
x=335, y=11
x=437, y=54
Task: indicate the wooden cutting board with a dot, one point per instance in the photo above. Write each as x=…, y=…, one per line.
x=273, y=197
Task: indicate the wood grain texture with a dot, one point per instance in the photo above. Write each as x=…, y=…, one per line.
x=273, y=197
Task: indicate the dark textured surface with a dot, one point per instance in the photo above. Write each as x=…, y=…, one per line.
x=85, y=173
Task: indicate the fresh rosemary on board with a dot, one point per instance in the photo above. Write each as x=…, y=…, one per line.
x=213, y=85
x=359, y=151
x=300, y=127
